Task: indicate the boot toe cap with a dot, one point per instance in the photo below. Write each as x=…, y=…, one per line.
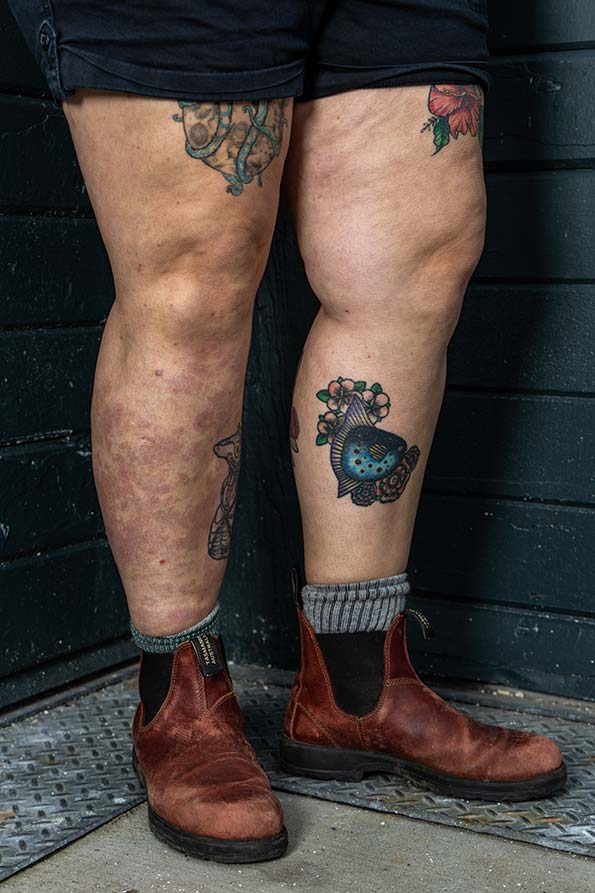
x=259, y=816
x=543, y=755
x=252, y=816
x=526, y=756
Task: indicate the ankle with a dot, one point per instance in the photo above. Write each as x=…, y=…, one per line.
x=153, y=682
x=355, y=664
x=161, y=643
x=365, y=606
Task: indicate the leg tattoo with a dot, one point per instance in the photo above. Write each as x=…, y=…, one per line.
x=294, y=430
x=455, y=109
x=220, y=532
x=371, y=464
x=238, y=139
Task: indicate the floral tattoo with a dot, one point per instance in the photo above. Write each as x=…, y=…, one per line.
x=238, y=139
x=220, y=532
x=370, y=464
x=455, y=109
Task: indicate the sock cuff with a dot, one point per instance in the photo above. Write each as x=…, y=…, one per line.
x=165, y=644
x=355, y=607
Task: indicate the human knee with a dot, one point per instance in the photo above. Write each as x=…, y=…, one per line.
x=451, y=244
x=192, y=285
x=411, y=276
x=442, y=266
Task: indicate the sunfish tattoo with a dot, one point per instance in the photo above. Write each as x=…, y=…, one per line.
x=222, y=523
x=238, y=139
x=455, y=109
x=370, y=464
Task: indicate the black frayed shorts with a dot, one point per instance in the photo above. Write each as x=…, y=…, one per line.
x=253, y=49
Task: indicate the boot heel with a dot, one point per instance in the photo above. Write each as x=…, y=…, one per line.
x=320, y=762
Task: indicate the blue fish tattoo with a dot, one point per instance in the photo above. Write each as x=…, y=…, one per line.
x=369, y=463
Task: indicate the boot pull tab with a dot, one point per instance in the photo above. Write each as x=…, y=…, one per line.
x=207, y=653
x=426, y=626
x=297, y=581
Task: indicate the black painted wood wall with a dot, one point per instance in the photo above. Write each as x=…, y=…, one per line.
x=503, y=551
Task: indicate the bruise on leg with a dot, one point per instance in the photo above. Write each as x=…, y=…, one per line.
x=158, y=478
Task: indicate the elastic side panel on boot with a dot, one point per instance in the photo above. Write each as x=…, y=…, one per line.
x=355, y=664
x=153, y=683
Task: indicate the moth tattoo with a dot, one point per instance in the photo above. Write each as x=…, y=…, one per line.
x=370, y=464
x=222, y=523
x=238, y=139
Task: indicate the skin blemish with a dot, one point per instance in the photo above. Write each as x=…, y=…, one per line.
x=158, y=371
x=162, y=561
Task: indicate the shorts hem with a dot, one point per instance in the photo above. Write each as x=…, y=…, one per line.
x=328, y=80
x=87, y=71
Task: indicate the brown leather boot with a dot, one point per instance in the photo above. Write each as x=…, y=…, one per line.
x=405, y=728
x=208, y=796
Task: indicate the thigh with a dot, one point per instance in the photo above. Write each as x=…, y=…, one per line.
x=378, y=178
x=170, y=181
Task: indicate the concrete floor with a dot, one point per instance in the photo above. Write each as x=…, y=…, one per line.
x=334, y=848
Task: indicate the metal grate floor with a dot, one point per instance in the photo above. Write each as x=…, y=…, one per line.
x=66, y=770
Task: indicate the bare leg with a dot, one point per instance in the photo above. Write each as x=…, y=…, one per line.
x=390, y=234
x=188, y=242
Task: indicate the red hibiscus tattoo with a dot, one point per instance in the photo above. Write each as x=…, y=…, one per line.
x=455, y=109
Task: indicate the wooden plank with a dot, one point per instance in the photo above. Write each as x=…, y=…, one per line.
x=520, y=337
x=540, y=110
x=540, y=226
x=524, y=554
x=19, y=71
x=47, y=381
x=52, y=270
x=519, y=447
x=521, y=648
x=39, y=679
x=39, y=166
x=541, y=24
x=47, y=497
x=59, y=603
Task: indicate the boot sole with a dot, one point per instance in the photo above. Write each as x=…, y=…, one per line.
x=212, y=848
x=342, y=764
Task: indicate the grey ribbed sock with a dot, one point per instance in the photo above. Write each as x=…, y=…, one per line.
x=355, y=607
x=164, y=644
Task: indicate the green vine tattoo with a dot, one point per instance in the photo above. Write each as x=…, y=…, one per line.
x=370, y=464
x=455, y=109
x=222, y=523
x=238, y=139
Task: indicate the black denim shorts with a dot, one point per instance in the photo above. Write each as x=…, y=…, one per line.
x=251, y=49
